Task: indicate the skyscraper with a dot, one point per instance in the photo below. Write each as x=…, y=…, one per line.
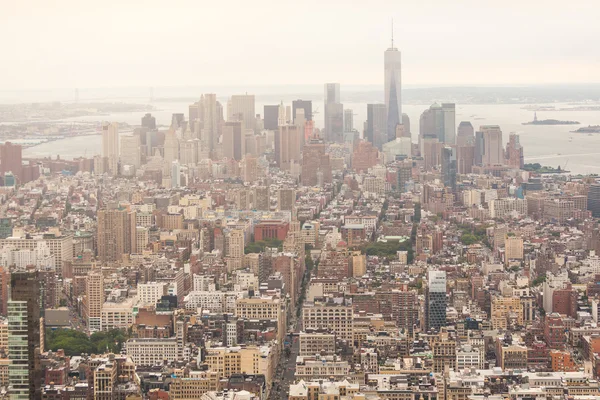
x=449, y=167
x=288, y=146
x=492, y=145
x=171, y=146
x=271, y=115
x=116, y=234
x=348, y=120
x=316, y=166
x=234, y=142
x=479, y=149
x=306, y=105
x=110, y=146
x=439, y=121
x=175, y=180
x=593, y=200
x=242, y=108
x=466, y=134
x=148, y=121
x=25, y=372
x=514, y=152
x=435, y=300
x=393, y=85
x=334, y=113
x=376, y=132
x=209, y=134
x=130, y=151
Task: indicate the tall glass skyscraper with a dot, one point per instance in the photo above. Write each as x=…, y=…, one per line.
x=435, y=300
x=393, y=87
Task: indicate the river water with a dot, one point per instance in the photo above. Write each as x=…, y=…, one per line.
x=548, y=145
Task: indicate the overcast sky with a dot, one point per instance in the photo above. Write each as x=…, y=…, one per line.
x=113, y=43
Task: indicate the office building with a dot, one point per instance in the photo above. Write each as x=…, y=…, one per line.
x=25, y=372
x=209, y=135
x=175, y=174
x=148, y=121
x=316, y=165
x=110, y=146
x=116, y=234
x=338, y=319
x=334, y=114
x=479, y=148
x=242, y=108
x=449, y=167
x=334, y=122
x=514, y=152
x=593, y=200
x=11, y=159
x=271, y=117
x=306, y=105
x=439, y=121
x=393, y=89
x=348, y=120
x=171, y=147
x=465, y=159
x=376, y=127
x=288, y=146
x=234, y=141
x=406, y=125
x=130, y=151
x=465, y=134
x=435, y=300
x=493, y=153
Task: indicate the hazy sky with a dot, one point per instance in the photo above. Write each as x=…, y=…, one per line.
x=111, y=43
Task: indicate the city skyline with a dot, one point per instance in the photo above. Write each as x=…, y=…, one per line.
x=477, y=46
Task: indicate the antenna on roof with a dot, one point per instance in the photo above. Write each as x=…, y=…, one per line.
x=392, y=33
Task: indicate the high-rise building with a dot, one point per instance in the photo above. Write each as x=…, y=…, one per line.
x=435, y=300
x=271, y=116
x=304, y=104
x=175, y=174
x=348, y=120
x=25, y=372
x=449, y=167
x=403, y=175
x=148, y=121
x=334, y=114
x=465, y=159
x=465, y=135
x=514, y=152
x=449, y=112
x=393, y=89
x=406, y=125
x=376, y=129
x=110, y=146
x=288, y=146
x=130, y=151
x=262, y=198
x=408, y=314
x=593, y=200
x=116, y=234
x=316, y=165
x=209, y=134
x=479, y=148
x=234, y=142
x=177, y=120
x=286, y=199
x=241, y=107
x=492, y=145
x=439, y=121
x=171, y=147
x=94, y=299
x=11, y=159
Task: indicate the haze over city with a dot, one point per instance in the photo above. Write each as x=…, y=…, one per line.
x=276, y=200
x=155, y=43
